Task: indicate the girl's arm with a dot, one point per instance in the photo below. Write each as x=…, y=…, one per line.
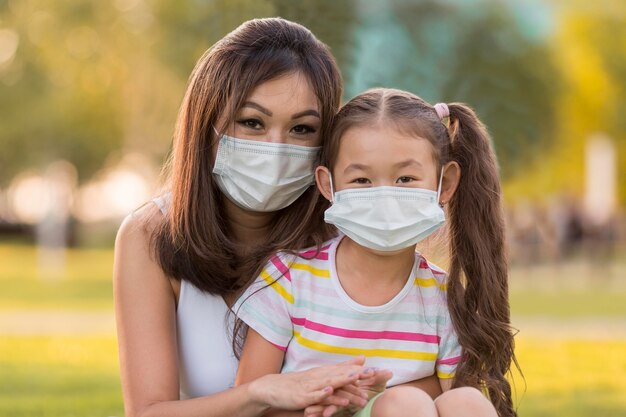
x=432, y=385
x=258, y=358
x=145, y=306
x=445, y=383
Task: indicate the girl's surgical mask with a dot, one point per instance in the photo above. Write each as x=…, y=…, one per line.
x=263, y=176
x=386, y=218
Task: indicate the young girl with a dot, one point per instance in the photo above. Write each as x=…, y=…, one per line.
x=390, y=167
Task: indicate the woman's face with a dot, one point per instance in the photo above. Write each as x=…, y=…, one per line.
x=282, y=110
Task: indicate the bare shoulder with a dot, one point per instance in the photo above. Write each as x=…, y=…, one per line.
x=139, y=225
x=134, y=261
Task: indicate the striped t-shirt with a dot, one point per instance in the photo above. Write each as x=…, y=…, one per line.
x=298, y=304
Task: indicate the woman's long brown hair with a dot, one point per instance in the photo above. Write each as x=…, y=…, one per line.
x=194, y=241
x=478, y=279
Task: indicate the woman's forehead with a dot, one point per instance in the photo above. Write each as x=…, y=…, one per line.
x=291, y=92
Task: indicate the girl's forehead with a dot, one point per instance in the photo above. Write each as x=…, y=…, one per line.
x=383, y=143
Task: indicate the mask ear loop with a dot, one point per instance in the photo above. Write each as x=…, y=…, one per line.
x=332, y=189
x=439, y=187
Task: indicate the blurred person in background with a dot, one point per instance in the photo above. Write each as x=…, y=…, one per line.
x=257, y=108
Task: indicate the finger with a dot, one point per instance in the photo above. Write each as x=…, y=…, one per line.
x=329, y=411
x=314, y=411
x=345, y=377
x=353, y=389
x=337, y=400
x=319, y=396
x=379, y=377
x=355, y=399
x=382, y=376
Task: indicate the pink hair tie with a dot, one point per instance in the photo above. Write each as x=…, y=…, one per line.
x=442, y=110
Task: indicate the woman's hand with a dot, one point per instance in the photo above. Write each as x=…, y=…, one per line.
x=372, y=382
x=298, y=390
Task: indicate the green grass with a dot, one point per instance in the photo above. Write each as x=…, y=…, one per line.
x=568, y=303
x=85, y=283
x=571, y=378
x=59, y=376
x=78, y=375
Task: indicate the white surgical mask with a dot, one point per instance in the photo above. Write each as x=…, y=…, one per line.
x=263, y=176
x=386, y=218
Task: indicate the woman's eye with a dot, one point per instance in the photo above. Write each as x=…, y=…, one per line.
x=303, y=129
x=251, y=123
x=404, y=180
x=361, y=181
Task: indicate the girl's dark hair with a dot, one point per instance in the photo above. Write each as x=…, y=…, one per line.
x=478, y=279
x=194, y=241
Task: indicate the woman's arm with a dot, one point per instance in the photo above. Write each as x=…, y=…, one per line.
x=145, y=306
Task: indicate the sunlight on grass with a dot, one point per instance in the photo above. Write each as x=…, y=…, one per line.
x=572, y=377
x=59, y=376
x=78, y=376
x=86, y=283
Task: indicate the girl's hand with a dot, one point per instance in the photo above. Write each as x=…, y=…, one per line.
x=372, y=382
x=298, y=390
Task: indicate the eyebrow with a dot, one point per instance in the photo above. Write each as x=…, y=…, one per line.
x=256, y=106
x=407, y=163
x=403, y=164
x=310, y=112
x=355, y=167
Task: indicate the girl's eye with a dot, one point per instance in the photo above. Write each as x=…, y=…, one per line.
x=303, y=129
x=254, y=124
x=361, y=181
x=404, y=180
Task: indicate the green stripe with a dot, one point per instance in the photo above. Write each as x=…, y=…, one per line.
x=395, y=317
x=247, y=308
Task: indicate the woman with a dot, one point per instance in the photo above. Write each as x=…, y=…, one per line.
x=257, y=107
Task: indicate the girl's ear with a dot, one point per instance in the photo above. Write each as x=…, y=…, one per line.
x=450, y=181
x=322, y=178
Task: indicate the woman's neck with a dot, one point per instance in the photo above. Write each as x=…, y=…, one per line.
x=370, y=277
x=248, y=227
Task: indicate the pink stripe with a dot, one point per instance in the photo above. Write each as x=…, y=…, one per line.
x=281, y=267
x=365, y=334
x=450, y=361
x=314, y=253
x=284, y=349
x=425, y=265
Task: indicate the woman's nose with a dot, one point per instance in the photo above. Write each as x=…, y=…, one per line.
x=276, y=136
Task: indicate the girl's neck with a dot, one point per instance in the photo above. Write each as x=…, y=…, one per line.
x=248, y=227
x=370, y=277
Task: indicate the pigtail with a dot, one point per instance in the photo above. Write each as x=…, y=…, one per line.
x=478, y=282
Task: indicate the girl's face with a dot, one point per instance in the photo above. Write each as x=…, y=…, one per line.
x=375, y=156
x=282, y=110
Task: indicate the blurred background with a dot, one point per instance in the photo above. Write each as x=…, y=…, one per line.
x=89, y=92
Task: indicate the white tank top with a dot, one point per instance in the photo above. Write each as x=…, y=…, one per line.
x=206, y=361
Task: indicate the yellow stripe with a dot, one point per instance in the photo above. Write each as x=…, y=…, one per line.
x=276, y=286
x=384, y=353
x=323, y=273
x=430, y=282
x=443, y=375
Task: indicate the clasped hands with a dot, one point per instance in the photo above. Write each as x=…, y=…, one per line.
x=348, y=399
